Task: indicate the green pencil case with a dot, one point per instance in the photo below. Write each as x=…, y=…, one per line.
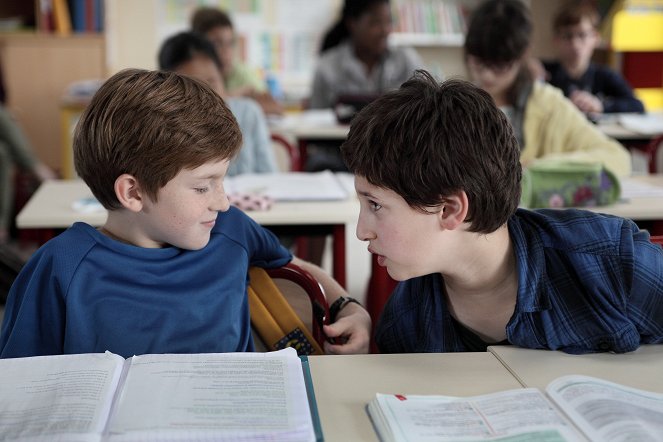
x=556, y=183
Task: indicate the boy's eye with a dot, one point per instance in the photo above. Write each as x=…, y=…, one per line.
x=374, y=206
x=201, y=189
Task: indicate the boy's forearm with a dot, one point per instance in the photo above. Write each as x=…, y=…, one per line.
x=332, y=288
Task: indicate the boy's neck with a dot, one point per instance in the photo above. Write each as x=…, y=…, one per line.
x=487, y=266
x=482, y=294
x=575, y=70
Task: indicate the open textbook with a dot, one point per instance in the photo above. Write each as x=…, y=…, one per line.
x=573, y=408
x=101, y=396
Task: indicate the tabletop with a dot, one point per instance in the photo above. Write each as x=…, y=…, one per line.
x=345, y=384
x=52, y=206
x=537, y=368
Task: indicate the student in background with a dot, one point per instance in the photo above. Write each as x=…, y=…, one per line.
x=546, y=124
x=437, y=172
x=191, y=54
x=593, y=88
x=239, y=79
x=167, y=272
x=15, y=151
x=355, y=57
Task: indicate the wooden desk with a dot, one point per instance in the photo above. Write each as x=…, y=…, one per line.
x=345, y=384
x=51, y=208
x=536, y=368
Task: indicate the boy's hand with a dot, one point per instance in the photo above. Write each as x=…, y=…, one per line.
x=351, y=331
x=586, y=102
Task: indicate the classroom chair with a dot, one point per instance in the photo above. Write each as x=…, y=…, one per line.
x=657, y=239
x=10, y=265
x=287, y=155
x=651, y=152
x=288, y=308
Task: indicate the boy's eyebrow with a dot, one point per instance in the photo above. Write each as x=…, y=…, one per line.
x=365, y=193
x=209, y=177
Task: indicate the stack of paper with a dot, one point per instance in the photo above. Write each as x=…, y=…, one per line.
x=289, y=186
x=647, y=124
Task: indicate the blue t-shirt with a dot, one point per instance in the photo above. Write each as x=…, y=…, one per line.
x=84, y=292
x=586, y=283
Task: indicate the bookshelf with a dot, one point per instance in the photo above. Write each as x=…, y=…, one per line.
x=38, y=63
x=429, y=22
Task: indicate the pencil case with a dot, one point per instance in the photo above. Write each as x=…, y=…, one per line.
x=556, y=183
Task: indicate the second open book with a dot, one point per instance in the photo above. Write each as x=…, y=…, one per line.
x=573, y=408
x=100, y=396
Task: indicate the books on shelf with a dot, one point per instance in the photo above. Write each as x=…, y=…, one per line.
x=65, y=16
x=430, y=17
x=101, y=396
x=572, y=408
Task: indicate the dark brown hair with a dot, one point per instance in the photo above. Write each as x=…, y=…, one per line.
x=207, y=18
x=151, y=125
x=183, y=47
x=428, y=140
x=573, y=12
x=499, y=33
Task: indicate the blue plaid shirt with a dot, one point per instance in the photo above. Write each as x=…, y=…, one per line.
x=586, y=283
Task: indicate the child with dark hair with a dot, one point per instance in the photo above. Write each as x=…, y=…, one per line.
x=191, y=54
x=238, y=78
x=438, y=176
x=593, y=88
x=168, y=270
x=547, y=125
x=356, y=58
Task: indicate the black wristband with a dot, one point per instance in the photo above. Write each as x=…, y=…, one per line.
x=339, y=305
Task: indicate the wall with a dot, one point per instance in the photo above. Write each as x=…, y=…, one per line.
x=132, y=36
x=37, y=69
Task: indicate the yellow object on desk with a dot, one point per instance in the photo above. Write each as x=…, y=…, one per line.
x=70, y=112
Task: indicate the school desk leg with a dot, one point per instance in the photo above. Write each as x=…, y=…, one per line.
x=338, y=259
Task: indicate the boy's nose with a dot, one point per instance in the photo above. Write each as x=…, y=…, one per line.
x=362, y=232
x=221, y=204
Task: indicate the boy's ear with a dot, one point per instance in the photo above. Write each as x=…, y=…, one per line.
x=129, y=193
x=454, y=210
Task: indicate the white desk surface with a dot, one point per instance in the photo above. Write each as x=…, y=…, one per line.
x=345, y=384
x=642, y=368
x=322, y=124
x=51, y=207
x=645, y=208
x=316, y=124
x=616, y=126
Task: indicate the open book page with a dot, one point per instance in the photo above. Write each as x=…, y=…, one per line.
x=232, y=396
x=607, y=411
x=64, y=397
x=513, y=415
x=289, y=186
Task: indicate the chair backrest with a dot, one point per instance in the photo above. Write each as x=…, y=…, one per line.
x=288, y=308
x=657, y=239
x=287, y=155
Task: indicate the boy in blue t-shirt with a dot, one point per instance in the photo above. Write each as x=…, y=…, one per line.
x=437, y=171
x=167, y=272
